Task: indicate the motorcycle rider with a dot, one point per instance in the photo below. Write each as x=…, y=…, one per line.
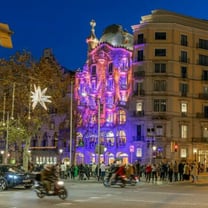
x=119, y=170
x=113, y=169
x=130, y=171
x=49, y=175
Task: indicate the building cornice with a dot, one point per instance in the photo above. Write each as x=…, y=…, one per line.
x=163, y=16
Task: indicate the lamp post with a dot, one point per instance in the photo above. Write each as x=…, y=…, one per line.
x=7, y=137
x=98, y=142
x=131, y=149
x=60, y=154
x=70, y=139
x=154, y=148
x=104, y=155
x=2, y=155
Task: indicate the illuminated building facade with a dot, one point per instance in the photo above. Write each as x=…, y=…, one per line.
x=145, y=96
x=151, y=88
x=102, y=91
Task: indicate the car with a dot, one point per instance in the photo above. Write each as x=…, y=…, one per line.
x=12, y=176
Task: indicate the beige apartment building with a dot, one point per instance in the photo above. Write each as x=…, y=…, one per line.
x=170, y=94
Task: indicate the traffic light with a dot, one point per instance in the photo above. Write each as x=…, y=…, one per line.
x=176, y=147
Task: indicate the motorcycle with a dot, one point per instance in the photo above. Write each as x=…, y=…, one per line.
x=132, y=180
x=58, y=190
x=119, y=180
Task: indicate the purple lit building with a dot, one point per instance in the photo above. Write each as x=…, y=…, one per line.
x=102, y=91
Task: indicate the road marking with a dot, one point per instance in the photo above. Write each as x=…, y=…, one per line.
x=166, y=193
x=89, y=198
x=63, y=204
x=81, y=200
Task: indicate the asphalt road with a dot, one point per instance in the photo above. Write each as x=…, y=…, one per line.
x=95, y=195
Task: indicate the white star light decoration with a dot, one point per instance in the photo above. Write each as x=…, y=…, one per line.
x=38, y=96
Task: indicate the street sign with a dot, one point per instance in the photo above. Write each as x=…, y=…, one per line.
x=131, y=148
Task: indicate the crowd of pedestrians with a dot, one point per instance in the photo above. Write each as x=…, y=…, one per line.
x=171, y=171
x=162, y=171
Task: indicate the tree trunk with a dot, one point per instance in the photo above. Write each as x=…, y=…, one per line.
x=26, y=155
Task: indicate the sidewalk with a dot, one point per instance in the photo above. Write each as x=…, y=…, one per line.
x=202, y=179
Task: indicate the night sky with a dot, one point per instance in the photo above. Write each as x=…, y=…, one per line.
x=63, y=25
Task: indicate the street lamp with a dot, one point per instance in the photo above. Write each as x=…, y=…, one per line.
x=98, y=142
x=2, y=155
x=154, y=148
x=70, y=136
x=60, y=152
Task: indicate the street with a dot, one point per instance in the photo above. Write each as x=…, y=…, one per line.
x=93, y=195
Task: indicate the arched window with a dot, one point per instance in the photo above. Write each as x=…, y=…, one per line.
x=110, y=138
x=93, y=70
x=121, y=137
x=110, y=68
x=45, y=140
x=34, y=142
x=79, y=140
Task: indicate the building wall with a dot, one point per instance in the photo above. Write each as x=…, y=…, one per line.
x=108, y=73
x=173, y=25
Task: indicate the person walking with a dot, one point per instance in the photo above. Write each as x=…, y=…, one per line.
x=63, y=171
x=154, y=173
x=102, y=171
x=194, y=172
x=186, y=172
x=181, y=171
x=170, y=172
x=148, y=171
x=175, y=171
x=72, y=170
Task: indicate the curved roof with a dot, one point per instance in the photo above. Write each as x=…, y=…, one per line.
x=116, y=36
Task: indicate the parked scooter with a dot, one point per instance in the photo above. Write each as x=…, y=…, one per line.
x=58, y=190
